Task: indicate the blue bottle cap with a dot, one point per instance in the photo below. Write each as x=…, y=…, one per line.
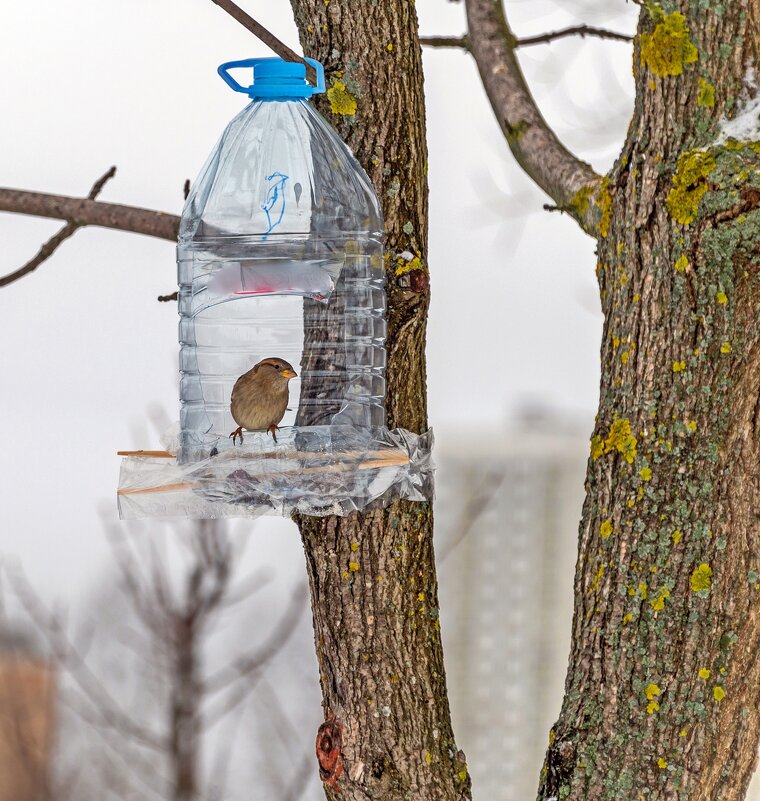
x=274, y=78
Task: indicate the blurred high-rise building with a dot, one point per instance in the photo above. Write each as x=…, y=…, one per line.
x=27, y=703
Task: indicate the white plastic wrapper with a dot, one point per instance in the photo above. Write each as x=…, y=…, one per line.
x=316, y=470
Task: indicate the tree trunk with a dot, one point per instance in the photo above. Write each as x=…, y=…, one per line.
x=372, y=576
x=662, y=698
x=185, y=725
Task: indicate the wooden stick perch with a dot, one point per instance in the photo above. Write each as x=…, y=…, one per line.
x=352, y=460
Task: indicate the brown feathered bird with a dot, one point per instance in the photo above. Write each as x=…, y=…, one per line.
x=260, y=397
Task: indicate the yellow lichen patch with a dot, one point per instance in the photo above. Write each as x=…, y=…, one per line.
x=605, y=529
x=581, y=200
x=681, y=263
x=408, y=266
x=643, y=590
x=668, y=48
x=652, y=707
x=627, y=618
x=604, y=201
x=596, y=195
x=662, y=763
x=651, y=691
x=597, y=447
x=353, y=566
x=721, y=297
x=658, y=602
x=597, y=578
x=701, y=578
x=676, y=535
x=462, y=774
x=624, y=356
x=703, y=673
x=429, y=758
x=691, y=426
x=620, y=439
x=679, y=367
x=341, y=101
x=718, y=693
x=689, y=185
x=706, y=96
x=389, y=47
x=646, y=473
x=725, y=347
x=682, y=733
x=420, y=596
x=354, y=546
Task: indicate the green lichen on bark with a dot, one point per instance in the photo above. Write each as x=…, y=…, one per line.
x=591, y=205
x=604, y=202
x=689, y=185
x=706, y=96
x=668, y=48
x=581, y=200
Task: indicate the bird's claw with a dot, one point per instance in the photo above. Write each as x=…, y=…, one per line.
x=238, y=432
x=271, y=430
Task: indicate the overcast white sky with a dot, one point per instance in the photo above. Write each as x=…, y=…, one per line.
x=86, y=349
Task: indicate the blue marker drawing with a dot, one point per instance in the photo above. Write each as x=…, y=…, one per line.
x=274, y=205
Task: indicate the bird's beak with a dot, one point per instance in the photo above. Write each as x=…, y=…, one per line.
x=288, y=373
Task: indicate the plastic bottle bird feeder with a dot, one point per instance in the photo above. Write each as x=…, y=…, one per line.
x=280, y=265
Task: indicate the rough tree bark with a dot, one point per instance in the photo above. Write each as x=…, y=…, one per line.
x=372, y=576
x=662, y=697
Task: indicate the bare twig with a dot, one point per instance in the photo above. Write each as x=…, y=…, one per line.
x=562, y=175
x=576, y=30
x=47, y=250
x=463, y=42
x=166, y=298
x=269, y=39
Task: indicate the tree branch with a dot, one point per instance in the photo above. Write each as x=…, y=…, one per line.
x=570, y=182
x=268, y=38
x=583, y=31
x=90, y=212
x=47, y=250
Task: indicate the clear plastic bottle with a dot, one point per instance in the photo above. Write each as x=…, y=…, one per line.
x=280, y=255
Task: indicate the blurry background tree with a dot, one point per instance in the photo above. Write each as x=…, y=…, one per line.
x=141, y=689
x=662, y=689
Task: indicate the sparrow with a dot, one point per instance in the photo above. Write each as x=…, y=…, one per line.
x=260, y=397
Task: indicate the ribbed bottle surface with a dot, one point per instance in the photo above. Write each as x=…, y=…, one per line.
x=280, y=255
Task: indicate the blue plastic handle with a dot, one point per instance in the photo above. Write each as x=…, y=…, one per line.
x=223, y=71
